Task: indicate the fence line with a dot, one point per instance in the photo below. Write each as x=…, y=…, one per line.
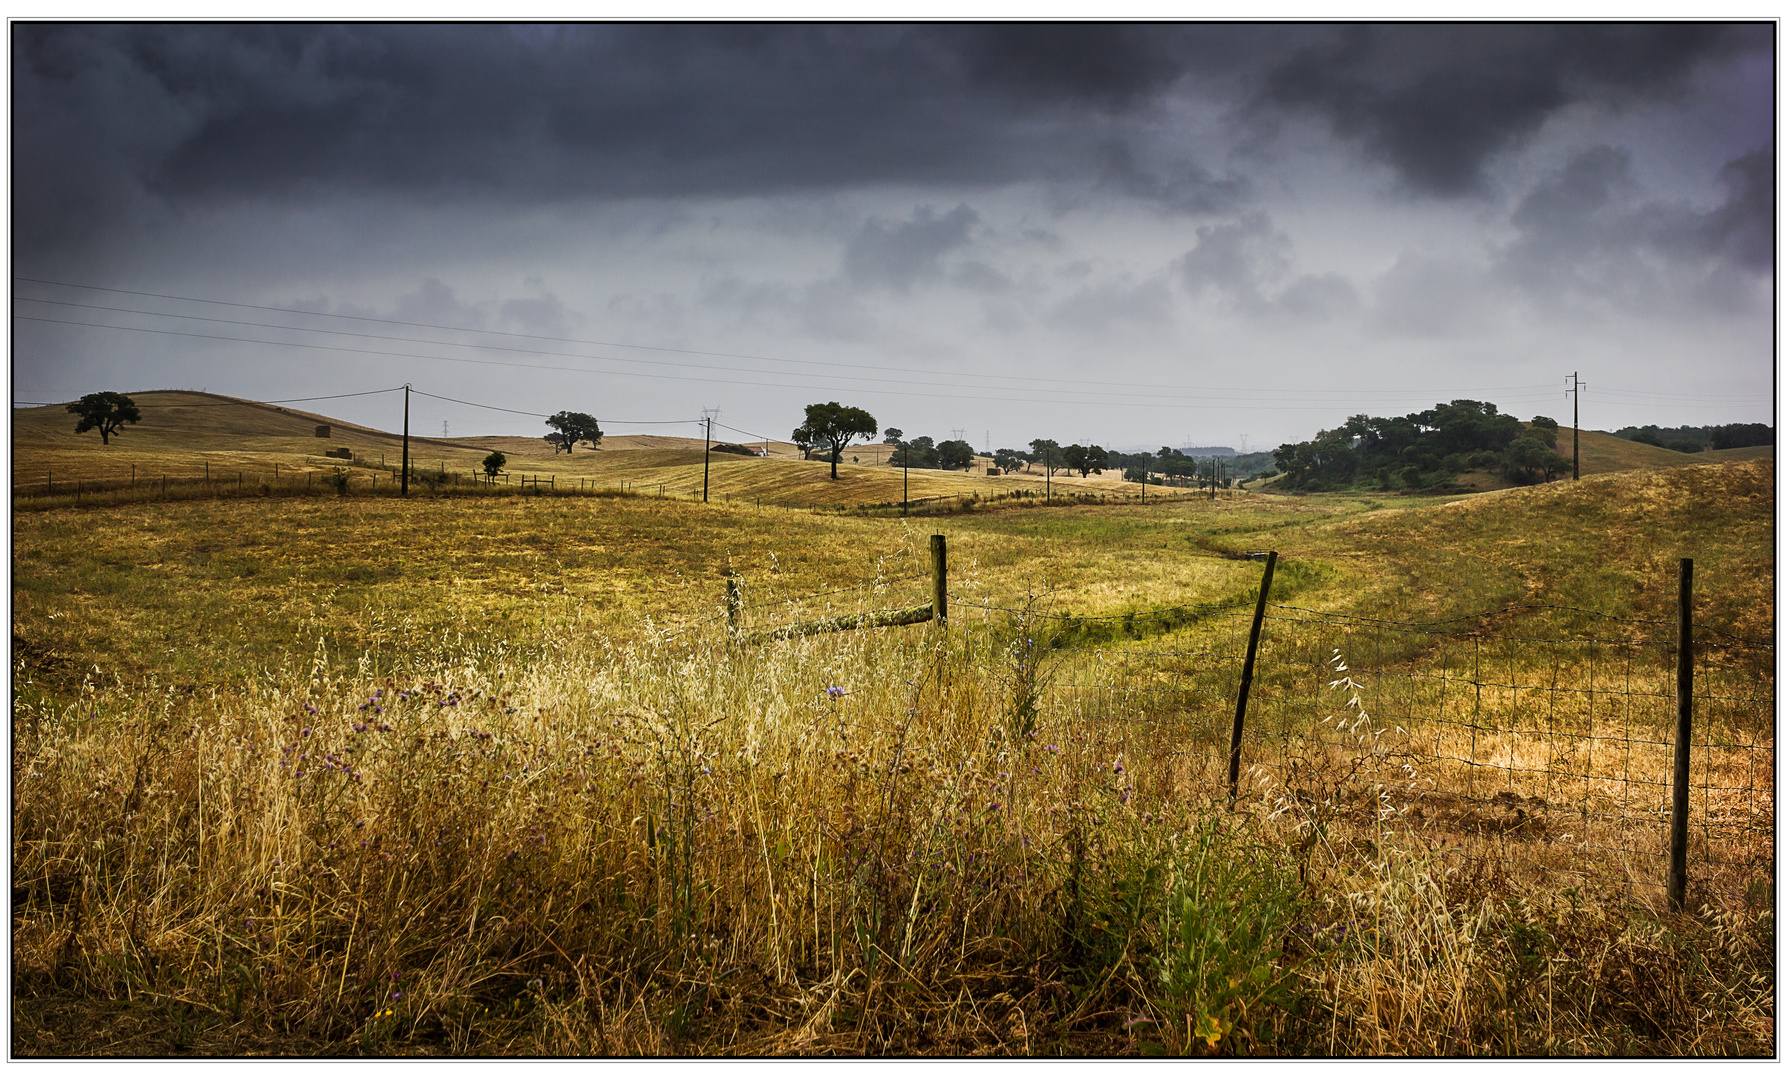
x=1526, y=747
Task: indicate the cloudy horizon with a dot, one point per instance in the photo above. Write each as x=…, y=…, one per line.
x=1129, y=234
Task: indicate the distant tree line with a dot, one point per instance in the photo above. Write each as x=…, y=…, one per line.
x=1692, y=440
x=1425, y=449
x=924, y=452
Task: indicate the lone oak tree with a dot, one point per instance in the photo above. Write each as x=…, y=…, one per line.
x=575, y=427
x=106, y=411
x=833, y=426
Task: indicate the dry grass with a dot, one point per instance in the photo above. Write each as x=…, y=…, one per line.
x=482, y=776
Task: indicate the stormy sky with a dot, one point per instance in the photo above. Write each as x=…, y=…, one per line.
x=1131, y=234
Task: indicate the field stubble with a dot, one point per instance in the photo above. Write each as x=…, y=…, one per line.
x=587, y=836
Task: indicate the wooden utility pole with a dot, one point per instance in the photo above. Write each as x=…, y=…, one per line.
x=707, y=456
x=1684, y=731
x=1575, y=391
x=406, y=440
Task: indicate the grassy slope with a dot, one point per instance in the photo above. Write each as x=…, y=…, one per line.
x=214, y=592
x=182, y=433
x=196, y=590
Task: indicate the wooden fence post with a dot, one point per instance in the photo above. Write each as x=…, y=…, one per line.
x=1684, y=730
x=1253, y=646
x=939, y=580
x=734, y=602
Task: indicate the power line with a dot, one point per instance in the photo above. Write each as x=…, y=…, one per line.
x=1153, y=388
x=252, y=401
x=1154, y=401
x=520, y=412
x=847, y=380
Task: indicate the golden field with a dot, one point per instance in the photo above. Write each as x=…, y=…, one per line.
x=481, y=771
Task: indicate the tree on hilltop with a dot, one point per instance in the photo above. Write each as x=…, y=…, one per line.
x=954, y=454
x=1086, y=460
x=573, y=428
x=107, y=411
x=833, y=426
x=1009, y=460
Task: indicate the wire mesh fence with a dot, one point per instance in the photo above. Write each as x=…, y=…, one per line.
x=1538, y=737
x=1535, y=741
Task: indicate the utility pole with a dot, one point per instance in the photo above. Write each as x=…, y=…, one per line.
x=406, y=439
x=1575, y=392
x=707, y=453
x=905, y=479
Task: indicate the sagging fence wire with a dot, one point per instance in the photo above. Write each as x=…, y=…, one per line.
x=1534, y=738
x=1568, y=773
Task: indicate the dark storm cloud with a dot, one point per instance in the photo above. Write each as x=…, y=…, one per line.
x=902, y=254
x=1247, y=264
x=110, y=116
x=133, y=123
x=1589, y=232
x=1744, y=228
x=1435, y=103
x=1187, y=188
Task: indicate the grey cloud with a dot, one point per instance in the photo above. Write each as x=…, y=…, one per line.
x=1428, y=297
x=1435, y=103
x=121, y=124
x=1317, y=297
x=1237, y=259
x=542, y=314
x=437, y=304
x=1182, y=187
x=1743, y=229
x=1588, y=233
x=981, y=278
x=1114, y=305
x=1110, y=66
x=900, y=255
x=1247, y=264
x=202, y=112
x=828, y=309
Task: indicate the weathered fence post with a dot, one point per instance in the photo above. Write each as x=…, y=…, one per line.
x=939, y=581
x=733, y=601
x=1253, y=647
x=1684, y=729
